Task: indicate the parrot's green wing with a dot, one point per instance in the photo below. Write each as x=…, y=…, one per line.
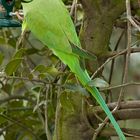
x=50, y=22
x=82, y=53
x=71, y=35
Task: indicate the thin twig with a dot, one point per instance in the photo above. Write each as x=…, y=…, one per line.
x=133, y=23
x=13, y=97
x=120, y=86
x=74, y=3
x=107, y=61
x=48, y=133
x=128, y=11
x=30, y=80
x=75, y=12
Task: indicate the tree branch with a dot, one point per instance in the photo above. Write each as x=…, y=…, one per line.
x=128, y=110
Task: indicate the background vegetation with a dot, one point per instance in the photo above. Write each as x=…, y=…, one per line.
x=41, y=99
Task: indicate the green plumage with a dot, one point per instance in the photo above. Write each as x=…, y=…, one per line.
x=50, y=22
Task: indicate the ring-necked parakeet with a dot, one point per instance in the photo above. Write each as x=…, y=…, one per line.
x=50, y=22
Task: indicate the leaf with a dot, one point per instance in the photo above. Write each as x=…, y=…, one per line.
x=12, y=66
x=80, y=14
x=102, y=138
x=24, y=136
x=75, y=88
x=12, y=42
x=52, y=71
x=42, y=76
x=83, y=53
x=98, y=82
x=14, y=104
x=7, y=88
x=2, y=120
x=31, y=51
x=40, y=68
x=1, y=58
x=30, y=76
x=19, y=53
x=43, y=69
x=36, y=91
x=2, y=40
x=36, y=88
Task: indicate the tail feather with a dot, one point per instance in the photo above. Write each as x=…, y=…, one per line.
x=84, y=79
x=95, y=93
x=72, y=61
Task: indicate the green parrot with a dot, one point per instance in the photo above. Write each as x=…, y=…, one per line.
x=51, y=23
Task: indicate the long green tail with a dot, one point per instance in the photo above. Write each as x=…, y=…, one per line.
x=84, y=79
x=73, y=62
